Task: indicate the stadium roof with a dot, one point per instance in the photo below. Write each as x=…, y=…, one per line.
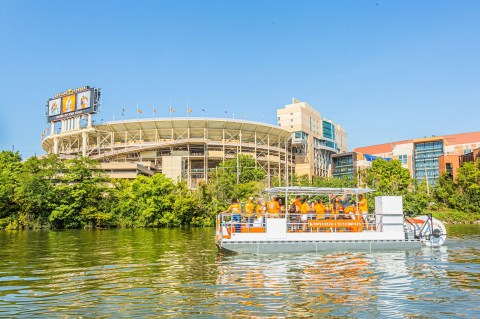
x=195, y=126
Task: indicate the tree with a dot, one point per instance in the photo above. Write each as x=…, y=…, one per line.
x=84, y=198
x=468, y=189
x=238, y=177
x=35, y=193
x=388, y=177
x=446, y=191
x=10, y=169
x=147, y=202
x=416, y=200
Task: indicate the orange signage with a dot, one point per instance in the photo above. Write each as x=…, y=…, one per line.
x=356, y=225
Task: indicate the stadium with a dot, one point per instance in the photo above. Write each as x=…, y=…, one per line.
x=181, y=148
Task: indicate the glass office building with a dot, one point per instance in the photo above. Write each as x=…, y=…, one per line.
x=426, y=153
x=343, y=165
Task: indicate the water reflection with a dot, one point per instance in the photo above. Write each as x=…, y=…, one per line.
x=178, y=273
x=395, y=284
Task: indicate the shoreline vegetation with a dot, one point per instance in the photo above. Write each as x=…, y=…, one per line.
x=49, y=193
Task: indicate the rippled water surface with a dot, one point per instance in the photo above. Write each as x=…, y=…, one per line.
x=178, y=273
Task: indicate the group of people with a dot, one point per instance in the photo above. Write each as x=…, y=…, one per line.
x=336, y=207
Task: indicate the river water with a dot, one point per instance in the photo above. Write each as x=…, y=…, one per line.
x=151, y=273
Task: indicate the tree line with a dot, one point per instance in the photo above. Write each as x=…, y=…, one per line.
x=52, y=193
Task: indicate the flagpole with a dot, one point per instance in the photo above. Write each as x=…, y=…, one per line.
x=170, y=106
x=188, y=109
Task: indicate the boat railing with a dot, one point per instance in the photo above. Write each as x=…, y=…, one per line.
x=228, y=223
x=328, y=222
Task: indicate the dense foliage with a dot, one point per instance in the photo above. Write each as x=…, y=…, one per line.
x=451, y=200
x=51, y=193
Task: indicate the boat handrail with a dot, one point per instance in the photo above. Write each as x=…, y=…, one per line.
x=301, y=190
x=370, y=222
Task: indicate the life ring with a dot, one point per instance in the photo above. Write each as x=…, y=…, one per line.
x=434, y=237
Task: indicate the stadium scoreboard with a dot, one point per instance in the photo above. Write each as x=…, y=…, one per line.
x=73, y=103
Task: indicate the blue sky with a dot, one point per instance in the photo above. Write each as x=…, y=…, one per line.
x=385, y=70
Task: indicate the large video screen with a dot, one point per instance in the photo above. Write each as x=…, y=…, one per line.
x=71, y=103
x=54, y=107
x=68, y=104
x=83, y=100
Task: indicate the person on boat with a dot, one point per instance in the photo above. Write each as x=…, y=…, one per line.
x=236, y=211
x=293, y=207
x=304, y=209
x=283, y=208
x=363, y=208
x=273, y=207
x=298, y=203
x=340, y=207
x=350, y=212
x=349, y=209
x=320, y=209
x=249, y=208
x=332, y=207
x=260, y=210
x=311, y=209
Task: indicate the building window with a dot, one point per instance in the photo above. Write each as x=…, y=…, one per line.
x=403, y=159
x=449, y=169
x=328, y=130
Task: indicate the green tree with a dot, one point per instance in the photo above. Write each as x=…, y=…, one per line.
x=147, y=202
x=10, y=169
x=417, y=200
x=209, y=204
x=238, y=177
x=35, y=194
x=446, y=191
x=388, y=177
x=84, y=198
x=468, y=188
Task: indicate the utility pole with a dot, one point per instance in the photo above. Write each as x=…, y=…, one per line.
x=238, y=167
x=426, y=177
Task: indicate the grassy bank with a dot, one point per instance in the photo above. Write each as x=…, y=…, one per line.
x=452, y=216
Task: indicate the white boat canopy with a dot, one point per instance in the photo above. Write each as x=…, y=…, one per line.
x=300, y=190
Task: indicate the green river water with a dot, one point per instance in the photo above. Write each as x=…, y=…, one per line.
x=177, y=273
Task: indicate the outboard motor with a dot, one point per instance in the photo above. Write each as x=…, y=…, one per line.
x=429, y=230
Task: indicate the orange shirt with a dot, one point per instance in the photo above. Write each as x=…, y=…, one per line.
x=259, y=210
x=298, y=204
x=249, y=209
x=304, y=208
x=235, y=208
x=320, y=210
x=273, y=207
x=362, y=205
